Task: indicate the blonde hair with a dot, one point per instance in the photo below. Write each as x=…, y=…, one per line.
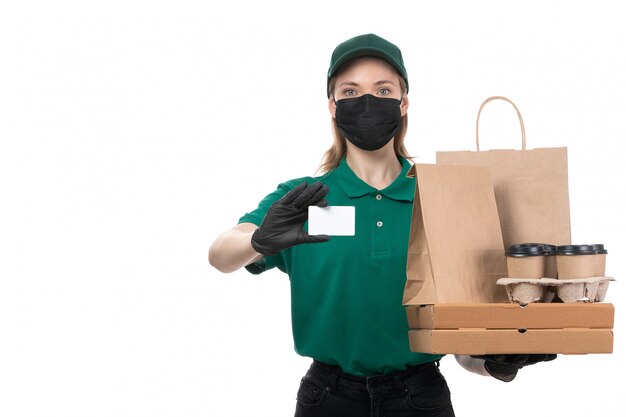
x=332, y=157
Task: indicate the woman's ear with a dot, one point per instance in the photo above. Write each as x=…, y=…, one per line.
x=404, y=106
x=332, y=107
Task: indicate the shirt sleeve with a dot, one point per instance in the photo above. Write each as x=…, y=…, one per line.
x=257, y=215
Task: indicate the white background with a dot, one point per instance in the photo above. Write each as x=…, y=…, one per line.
x=133, y=133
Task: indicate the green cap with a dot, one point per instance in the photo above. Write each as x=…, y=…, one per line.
x=366, y=45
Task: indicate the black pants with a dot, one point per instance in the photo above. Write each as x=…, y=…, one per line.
x=326, y=391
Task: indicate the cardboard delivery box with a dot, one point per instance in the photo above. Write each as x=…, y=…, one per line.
x=478, y=329
x=455, y=256
x=466, y=209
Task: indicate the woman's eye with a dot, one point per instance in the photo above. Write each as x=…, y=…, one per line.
x=349, y=92
x=383, y=91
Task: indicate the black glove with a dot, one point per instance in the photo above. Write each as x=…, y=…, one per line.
x=283, y=225
x=505, y=367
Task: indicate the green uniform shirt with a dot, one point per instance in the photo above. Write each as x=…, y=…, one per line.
x=346, y=294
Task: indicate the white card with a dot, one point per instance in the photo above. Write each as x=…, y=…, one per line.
x=331, y=220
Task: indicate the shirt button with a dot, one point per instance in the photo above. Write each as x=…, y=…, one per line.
x=379, y=197
x=379, y=223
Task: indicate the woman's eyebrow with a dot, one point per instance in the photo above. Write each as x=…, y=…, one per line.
x=353, y=84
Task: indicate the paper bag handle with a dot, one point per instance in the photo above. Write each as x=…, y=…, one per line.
x=519, y=115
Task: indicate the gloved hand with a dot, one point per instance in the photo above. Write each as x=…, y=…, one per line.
x=283, y=224
x=505, y=367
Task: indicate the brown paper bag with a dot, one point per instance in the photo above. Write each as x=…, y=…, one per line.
x=455, y=252
x=531, y=188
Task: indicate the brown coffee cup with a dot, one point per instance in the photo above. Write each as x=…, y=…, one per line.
x=551, y=269
x=576, y=261
x=526, y=260
x=601, y=253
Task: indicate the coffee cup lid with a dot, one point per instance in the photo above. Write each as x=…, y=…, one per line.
x=526, y=249
x=599, y=248
x=575, y=250
x=550, y=249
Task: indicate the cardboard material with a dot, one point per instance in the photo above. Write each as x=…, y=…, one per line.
x=455, y=252
x=576, y=290
x=484, y=342
x=600, y=265
x=480, y=329
x=551, y=271
x=531, y=188
x=527, y=266
x=511, y=316
x=526, y=292
x=588, y=290
x=577, y=266
x=466, y=210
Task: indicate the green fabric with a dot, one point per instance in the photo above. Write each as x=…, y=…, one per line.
x=366, y=45
x=346, y=294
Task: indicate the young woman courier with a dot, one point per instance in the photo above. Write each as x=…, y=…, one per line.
x=346, y=291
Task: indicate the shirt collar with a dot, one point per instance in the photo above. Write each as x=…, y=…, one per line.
x=402, y=188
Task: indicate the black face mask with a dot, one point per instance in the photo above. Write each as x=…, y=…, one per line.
x=367, y=121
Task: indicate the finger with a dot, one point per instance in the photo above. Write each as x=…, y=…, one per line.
x=306, y=195
x=542, y=357
x=534, y=358
x=520, y=359
x=322, y=203
x=293, y=194
x=315, y=238
x=319, y=195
